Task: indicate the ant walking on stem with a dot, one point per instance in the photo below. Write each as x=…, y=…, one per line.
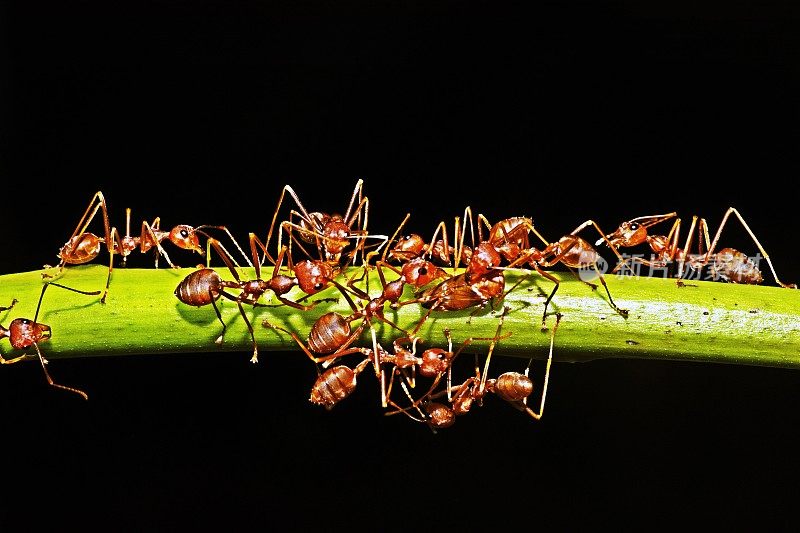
x=205, y=286
x=727, y=264
x=332, y=335
x=84, y=246
x=510, y=237
x=330, y=233
x=23, y=333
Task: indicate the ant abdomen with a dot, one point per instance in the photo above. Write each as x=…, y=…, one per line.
x=333, y=386
x=735, y=267
x=81, y=248
x=199, y=288
x=328, y=333
x=513, y=386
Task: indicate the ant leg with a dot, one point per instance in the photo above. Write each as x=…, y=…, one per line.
x=253, y=359
x=221, y=338
x=393, y=237
x=304, y=214
x=13, y=303
x=50, y=381
x=535, y=415
x=46, y=285
x=558, y=257
x=4, y=361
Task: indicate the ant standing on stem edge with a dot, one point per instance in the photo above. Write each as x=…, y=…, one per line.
x=84, y=246
x=727, y=264
x=23, y=333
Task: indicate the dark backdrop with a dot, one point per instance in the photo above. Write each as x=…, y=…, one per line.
x=200, y=112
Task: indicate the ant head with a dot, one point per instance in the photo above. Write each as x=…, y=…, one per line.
x=336, y=237
x=628, y=233
x=313, y=276
x=419, y=272
x=435, y=362
x=634, y=231
x=23, y=332
x=185, y=237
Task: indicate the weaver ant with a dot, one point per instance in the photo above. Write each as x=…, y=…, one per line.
x=338, y=382
x=332, y=335
x=513, y=387
x=23, y=333
x=330, y=233
x=511, y=240
x=84, y=246
x=727, y=264
x=205, y=286
x=413, y=245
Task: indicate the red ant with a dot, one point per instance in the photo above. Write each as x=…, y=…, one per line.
x=23, y=333
x=332, y=335
x=205, y=286
x=728, y=264
x=482, y=283
x=83, y=246
x=413, y=246
x=337, y=383
x=510, y=238
x=331, y=233
x=513, y=387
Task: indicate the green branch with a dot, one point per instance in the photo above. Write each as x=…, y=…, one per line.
x=714, y=322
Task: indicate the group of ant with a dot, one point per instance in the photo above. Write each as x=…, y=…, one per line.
x=443, y=275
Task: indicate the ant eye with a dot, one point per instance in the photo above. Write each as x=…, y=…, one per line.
x=26, y=321
x=184, y=233
x=634, y=226
x=423, y=271
x=318, y=286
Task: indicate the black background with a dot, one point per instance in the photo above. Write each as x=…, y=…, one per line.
x=199, y=112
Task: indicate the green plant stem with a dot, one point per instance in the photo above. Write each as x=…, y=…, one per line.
x=709, y=322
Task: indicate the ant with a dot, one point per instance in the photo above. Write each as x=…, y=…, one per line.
x=482, y=283
x=727, y=264
x=83, y=246
x=23, y=333
x=205, y=286
x=332, y=335
x=331, y=233
x=513, y=387
x=413, y=246
x=337, y=383
x=510, y=237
